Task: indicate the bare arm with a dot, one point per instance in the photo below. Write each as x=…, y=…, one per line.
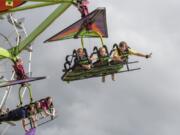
x=47, y=112
x=132, y=52
x=24, y=125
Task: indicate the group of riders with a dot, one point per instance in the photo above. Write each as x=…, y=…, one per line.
x=30, y=114
x=119, y=55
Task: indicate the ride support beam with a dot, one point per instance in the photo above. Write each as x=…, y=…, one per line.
x=28, y=86
x=42, y=27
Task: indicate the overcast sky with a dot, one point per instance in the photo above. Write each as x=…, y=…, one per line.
x=144, y=102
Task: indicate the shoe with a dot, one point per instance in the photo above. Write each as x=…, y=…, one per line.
x=113, y=77
x=103, y=79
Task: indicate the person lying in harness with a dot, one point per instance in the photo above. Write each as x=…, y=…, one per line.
x=31, y=110
x=123, y=51
x=48, y=107
x=103, y=59
x=39, y=109
x=19, y=70
x=15, y=115
x=82, y=61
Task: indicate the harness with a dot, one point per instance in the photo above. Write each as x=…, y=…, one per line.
x=104, y=59
x=83, y=60
x=124, y=55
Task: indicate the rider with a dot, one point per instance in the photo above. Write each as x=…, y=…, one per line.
x=39, y=109
x=32, y=115
x=82, y=60
x=123, y=51
x=102, y=60
x=14, y=115
x=48, y=107
x=18, y=114
x=19, y=69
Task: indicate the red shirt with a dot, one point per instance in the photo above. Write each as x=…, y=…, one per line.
x=20, y=72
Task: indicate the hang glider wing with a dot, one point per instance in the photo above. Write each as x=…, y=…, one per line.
x=15, y=82
x=95, y=21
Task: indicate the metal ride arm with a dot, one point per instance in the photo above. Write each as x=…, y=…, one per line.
x=28, y=86
x=100, y=36
x=42, y=27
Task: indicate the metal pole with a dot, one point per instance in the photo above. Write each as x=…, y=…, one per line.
x=42, y=27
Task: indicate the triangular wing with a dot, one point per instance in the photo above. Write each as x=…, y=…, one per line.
x=97, y=19
x=15, y=82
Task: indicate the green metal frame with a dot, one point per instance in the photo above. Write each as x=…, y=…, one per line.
x=13, y=53
x=95, y=32
x=28, y=86
x=97, y=72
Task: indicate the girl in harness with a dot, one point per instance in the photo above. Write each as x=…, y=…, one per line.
x=39, y=109
x=32, y=115
x=82, y=61
x=123, y=51
x=48, y=107
x=103, y=60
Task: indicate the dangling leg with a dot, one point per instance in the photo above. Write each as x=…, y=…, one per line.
x=103, y=79
x=33, y=121
x=24, y=125
x=52, y=111
x=113, y=77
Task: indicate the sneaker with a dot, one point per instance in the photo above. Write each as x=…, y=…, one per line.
x=113, y=77
x=103, y=79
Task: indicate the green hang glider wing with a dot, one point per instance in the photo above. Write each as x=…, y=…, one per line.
x=95, y=21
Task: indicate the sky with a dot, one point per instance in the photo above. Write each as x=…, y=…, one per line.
x=143, y=102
